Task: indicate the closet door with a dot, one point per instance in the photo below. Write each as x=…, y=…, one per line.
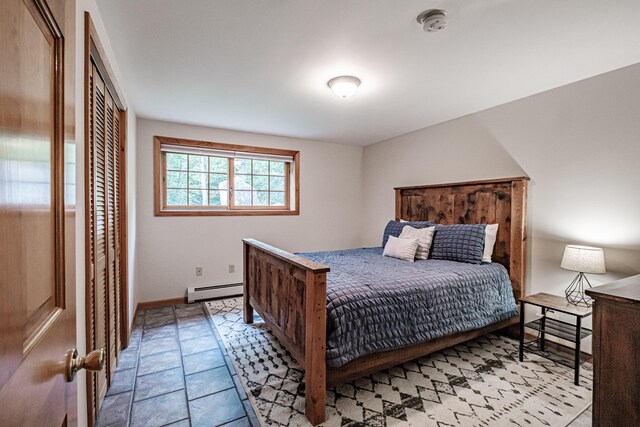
x=99, y=220
x=113, y=235
x=103, y=233
x=117, y=281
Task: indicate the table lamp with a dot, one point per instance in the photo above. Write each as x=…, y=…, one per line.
x=583, y=259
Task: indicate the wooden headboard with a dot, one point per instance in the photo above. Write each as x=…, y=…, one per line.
x=502, y=201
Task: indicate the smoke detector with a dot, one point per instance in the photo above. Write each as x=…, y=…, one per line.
x=432, y=20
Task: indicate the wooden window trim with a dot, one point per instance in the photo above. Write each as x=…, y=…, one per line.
x=160, y=188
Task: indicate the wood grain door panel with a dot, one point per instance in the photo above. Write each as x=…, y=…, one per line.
x=37, y=230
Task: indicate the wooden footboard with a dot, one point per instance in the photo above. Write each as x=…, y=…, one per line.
x=289, y=292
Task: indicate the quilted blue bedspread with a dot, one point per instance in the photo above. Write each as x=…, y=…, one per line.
x=376, y=303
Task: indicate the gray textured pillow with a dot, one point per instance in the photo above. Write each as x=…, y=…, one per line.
x=394, y=228
x=459, y=242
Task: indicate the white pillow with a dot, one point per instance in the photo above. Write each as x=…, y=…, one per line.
x=404, y=249
x=424, y=236
x=490, y=235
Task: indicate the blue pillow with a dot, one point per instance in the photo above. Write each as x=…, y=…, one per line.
x=459, y=242
x=394, y=228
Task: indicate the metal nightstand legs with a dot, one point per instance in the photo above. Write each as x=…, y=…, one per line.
x=541, y=341
x=542, y=331
x=577, y=356
x=521, y=331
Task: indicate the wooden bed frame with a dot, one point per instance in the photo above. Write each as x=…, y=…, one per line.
x=289, y=291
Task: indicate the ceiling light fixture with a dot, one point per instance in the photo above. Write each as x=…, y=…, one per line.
x=344, y=86
x=432, y=20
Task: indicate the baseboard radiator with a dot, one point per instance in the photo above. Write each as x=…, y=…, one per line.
x=213, y=291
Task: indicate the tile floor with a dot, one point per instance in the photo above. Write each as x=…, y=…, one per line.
x=175, y=372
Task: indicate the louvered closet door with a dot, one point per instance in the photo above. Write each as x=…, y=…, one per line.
x=100, y=230
x=117, y=234
x=113, y=235
x=104, y=232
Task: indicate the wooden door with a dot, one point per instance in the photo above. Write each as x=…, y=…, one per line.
x=104, y=234
x=37, y=212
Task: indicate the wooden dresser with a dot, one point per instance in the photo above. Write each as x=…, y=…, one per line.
x=616, y=353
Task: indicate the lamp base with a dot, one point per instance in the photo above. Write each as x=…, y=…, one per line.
x=575, y=291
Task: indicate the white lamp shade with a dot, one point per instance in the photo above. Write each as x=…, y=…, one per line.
x=344, y=86
x=584, y=259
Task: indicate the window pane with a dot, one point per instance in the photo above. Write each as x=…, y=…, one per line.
x=205, y=182
x=198, y=163
x=176, y=197
x=197, y=180
x=218, y=198
x=224, y=198
x=260, y=182
x=197, y=197
x=261, y=198
x=277, y=183
x=242, y=165
x=176, y=180
x=176, y=161
x=243, y=182
x=218, y=181
x=261, y=167
x=277, y=198
x=243, y=198
x=277, y=168
x=218, y=164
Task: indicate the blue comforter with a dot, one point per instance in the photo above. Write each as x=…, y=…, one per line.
x=376, y=303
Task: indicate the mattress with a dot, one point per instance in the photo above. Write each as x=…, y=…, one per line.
x=377, y=303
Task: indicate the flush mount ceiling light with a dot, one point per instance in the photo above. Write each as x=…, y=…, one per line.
x=432, y=20
x=344, y=86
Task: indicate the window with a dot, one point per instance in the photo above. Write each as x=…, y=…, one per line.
x=210, y=178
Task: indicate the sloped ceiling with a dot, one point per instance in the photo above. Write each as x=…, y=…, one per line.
x=262, y=66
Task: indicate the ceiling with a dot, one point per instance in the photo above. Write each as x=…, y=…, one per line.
x=262, y=66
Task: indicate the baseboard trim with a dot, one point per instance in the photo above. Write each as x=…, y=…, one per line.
x=160, y=303
x=145, y=305
x=133, y=322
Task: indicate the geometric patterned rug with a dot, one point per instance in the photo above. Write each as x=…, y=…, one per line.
x=477, y=383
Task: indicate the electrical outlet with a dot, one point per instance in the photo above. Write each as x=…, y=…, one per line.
x=232, y=268
x=198, y=271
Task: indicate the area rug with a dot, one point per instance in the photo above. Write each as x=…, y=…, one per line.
x=477, y=383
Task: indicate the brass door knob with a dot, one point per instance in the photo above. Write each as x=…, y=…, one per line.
x=93, y=361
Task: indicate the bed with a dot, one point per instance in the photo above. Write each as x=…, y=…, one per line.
x=323, y=326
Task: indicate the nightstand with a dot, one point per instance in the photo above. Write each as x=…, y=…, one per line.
x=557, y=328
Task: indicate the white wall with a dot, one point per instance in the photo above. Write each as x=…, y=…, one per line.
x=81, y=7
x=579, y=144
x=170, y=248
